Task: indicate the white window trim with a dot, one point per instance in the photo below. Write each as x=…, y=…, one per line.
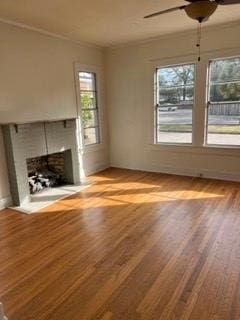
x=200, y=111
x=155, y=100
x=206, y=144
x=156, y=64
x=97, y=70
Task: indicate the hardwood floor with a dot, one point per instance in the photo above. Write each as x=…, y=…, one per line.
x=134, y=245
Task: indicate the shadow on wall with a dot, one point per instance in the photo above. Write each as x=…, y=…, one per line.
x=4, y=184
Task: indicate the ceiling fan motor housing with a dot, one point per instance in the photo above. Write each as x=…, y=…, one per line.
x=201, y=10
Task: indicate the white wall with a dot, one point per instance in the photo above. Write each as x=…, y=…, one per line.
x=37, y=83
x=36, y=77
x=130, y=102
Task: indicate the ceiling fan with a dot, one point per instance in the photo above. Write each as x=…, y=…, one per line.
x=199, y=10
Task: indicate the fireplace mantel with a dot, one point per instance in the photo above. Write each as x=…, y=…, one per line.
x=38, y=121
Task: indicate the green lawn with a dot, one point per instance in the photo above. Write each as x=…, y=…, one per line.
x=231, y=129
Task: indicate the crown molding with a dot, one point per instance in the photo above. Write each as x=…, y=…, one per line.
x=50, y=34
x=171, y=35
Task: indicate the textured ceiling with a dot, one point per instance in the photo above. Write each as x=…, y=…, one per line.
x=106, y=22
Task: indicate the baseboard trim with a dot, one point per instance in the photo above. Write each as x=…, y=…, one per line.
x=97, y=168
x=226, y=176
x=5, y=202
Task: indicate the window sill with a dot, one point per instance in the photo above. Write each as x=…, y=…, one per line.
x=189, y=148
x=222, y=146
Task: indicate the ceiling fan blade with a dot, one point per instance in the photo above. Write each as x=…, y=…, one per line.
x=227, y=2
x=164, y=11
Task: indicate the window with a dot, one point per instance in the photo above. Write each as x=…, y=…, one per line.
x=89, y=108
x=223, y=127
x=174, y=103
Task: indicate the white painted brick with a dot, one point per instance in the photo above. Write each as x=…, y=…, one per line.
x=29, y=141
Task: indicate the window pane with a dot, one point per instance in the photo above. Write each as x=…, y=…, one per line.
x=224, y=124
x=225, y=92
x=91, y=136
x=224, y=102
x=175, y=96
x=176, y=75
x=89, y=111
x=89, y=118
x=225, y=70
x=87, y=81
x=88, y=100
x=174, y=124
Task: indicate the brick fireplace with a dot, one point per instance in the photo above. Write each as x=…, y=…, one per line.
x=27, y=143
x=54, y=162
x=50, y=171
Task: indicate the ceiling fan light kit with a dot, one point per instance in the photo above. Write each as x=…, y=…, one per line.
x=197, y=9
x=201, y=10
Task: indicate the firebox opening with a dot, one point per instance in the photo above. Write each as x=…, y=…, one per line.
x=49, y=171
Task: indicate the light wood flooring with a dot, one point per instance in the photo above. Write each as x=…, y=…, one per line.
x=134, y=245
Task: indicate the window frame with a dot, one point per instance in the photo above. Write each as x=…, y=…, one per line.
x=200, y=110
x=209, y=103
x=172, y=65
x=94, y=109
x=97, y=86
